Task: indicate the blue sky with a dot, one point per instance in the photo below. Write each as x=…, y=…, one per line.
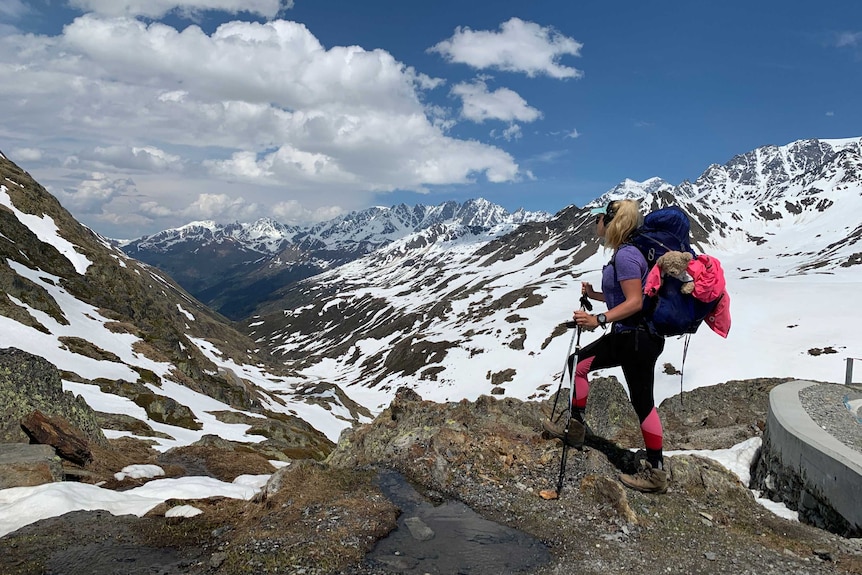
x=146, y=114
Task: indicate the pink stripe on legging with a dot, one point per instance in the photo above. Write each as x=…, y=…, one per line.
x=652, y=431
x=582, y=384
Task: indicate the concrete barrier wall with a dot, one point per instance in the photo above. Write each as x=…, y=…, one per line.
x=824, y=467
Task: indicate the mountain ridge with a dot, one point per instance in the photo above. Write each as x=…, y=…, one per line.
x=490, y=298
x=117, y=328
x=435, y=308
x=222, y=264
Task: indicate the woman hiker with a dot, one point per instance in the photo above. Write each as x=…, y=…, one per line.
x=627, y=344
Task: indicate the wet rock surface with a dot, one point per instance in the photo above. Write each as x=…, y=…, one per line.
x=449, y=538
x=489, y=456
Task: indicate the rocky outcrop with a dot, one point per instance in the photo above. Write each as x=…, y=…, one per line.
x=454, y=447
x=323, y=517
x=24, y=465
x=30, y=383
x=57, y=433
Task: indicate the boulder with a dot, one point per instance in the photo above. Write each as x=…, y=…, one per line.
x=56, y=432
x=25, y=465
x=29, y=383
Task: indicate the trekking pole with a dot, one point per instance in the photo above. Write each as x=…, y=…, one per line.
x=568, y=324
x=585, y=305
x=576, y=337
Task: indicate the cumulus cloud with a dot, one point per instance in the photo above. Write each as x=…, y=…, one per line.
x=478, y=104
x=94, y=191
x=250, y=104
x=518, y=46
x=155, y=210
x=146, y=158
x=286, y=163
x=220, y=206
x=158, y=8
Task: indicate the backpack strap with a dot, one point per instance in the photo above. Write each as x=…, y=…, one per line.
x=682, y=367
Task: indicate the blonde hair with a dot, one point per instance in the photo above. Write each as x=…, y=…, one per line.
x=627, y=217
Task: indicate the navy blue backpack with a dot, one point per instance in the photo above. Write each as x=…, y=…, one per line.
x=669, y=312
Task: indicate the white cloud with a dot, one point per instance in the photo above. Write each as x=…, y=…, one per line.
x=220, y=206
x=94, y=191
x=286, y=163
x=573, y=134
x=293, y=213
x=251, y=104
x=154, y=210
x=25, y=154
x=13, y=8
x=146, y=158
x=830, y=114
x=512, y=132
x=10, y=11
x=519, y=46
x=478, y=104
x=158, y=8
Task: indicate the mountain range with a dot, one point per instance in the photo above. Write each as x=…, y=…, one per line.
x=124, y=332
x=471, y=316
x=233, y=268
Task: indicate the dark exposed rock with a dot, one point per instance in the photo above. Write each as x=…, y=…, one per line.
x=159, y=407
x=23, y=465
x=287, y=437
x=29, y=383
x=320, y=518
x=123, y=422
x=56, y=432
x=736, y=411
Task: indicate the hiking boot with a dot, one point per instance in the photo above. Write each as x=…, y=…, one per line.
x=647, y=479
x=574, y=436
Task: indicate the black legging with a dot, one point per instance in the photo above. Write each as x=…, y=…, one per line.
x=636, y=351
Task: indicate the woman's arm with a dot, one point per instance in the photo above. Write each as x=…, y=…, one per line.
x=633, y=303
x=587, y=290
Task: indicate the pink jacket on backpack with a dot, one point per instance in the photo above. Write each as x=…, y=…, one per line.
x=709, y=284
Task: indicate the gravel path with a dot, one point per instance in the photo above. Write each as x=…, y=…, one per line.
x=829, y=405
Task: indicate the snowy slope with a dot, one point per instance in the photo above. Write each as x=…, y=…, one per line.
x=458, y=319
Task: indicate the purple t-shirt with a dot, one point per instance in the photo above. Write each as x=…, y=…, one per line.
x=630, y=264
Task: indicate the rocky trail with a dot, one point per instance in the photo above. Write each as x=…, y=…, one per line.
x=486, y=461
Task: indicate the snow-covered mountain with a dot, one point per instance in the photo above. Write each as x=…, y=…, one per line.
x=456, y=319
x=234, y=267
x=264, y=236
x=452, y=314
x=123, y=333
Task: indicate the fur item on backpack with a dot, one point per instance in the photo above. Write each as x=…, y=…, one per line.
x=675, y=264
